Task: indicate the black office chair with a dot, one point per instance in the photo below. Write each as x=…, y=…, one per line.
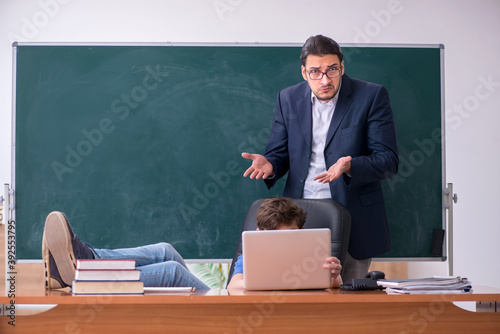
x=320, y=214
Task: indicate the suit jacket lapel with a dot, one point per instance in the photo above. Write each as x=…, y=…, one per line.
x=304, y=110
x=343, y=104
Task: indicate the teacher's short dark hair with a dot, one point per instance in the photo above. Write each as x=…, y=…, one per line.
x=320, y=45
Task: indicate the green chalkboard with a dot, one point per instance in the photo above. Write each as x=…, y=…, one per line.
x=140, y=144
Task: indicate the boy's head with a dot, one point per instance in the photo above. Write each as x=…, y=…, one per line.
x=280, y=213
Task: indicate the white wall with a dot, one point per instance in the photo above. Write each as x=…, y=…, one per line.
x=468, y=29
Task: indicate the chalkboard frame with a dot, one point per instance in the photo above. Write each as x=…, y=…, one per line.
x=442, y=133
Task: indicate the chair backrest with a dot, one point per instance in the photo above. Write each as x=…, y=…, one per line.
x=320, y=214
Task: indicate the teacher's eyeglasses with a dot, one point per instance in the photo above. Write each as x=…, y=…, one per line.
x=318, y=75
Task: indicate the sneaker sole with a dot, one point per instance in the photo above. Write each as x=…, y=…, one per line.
x=46, y=261
x=57, y=241
x=51, y=282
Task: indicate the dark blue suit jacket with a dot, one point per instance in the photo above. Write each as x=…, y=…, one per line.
x=362, y=127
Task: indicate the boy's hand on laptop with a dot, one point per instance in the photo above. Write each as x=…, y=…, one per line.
x=333, y=264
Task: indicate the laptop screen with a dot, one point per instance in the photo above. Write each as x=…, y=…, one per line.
x=286, y=259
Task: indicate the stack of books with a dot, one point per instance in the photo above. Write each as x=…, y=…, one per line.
x=107, y=277
x=436, y=284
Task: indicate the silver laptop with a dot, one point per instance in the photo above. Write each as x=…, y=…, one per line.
x=286, y=259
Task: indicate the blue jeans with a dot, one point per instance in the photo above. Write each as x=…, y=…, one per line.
x=160, y=265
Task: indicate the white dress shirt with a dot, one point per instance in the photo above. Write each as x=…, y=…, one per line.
x=322, y=113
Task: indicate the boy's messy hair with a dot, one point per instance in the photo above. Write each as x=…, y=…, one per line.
x=277, y=211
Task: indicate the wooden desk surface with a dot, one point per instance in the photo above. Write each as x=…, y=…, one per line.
x=219, y=311
x=63, y=296
x=277, y=312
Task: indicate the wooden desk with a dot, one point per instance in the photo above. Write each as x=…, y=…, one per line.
x=217, y=311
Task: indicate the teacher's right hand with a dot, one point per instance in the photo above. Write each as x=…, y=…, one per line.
x=260, y=168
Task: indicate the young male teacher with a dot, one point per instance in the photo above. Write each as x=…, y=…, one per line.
x=336, y=138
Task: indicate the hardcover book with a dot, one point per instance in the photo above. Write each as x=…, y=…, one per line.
x=107, y=287
x=105, y=264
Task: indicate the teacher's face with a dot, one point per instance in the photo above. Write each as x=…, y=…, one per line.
x=326, y=87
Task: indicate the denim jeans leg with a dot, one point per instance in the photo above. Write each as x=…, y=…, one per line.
x=170, y=273
x=143, y=255
x=160, y=265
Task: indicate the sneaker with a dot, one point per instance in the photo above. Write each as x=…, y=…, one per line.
x=60, y=250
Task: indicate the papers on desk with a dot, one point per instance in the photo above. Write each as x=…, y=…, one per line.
x=430, y=285
x=169, y=290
